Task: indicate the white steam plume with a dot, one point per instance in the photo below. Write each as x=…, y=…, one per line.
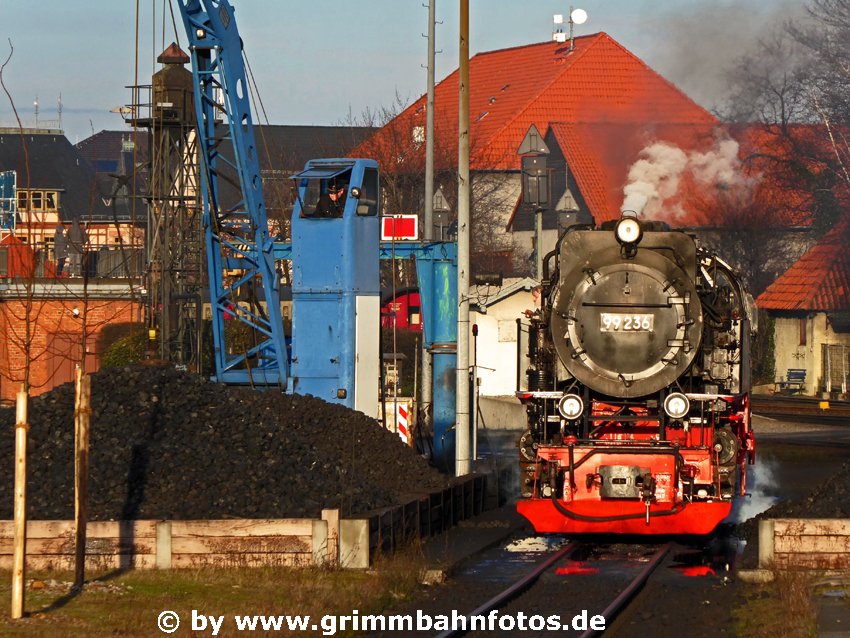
x=762, y=489
x=718, y=167
x=655, y=177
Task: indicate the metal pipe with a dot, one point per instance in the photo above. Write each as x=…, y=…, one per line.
x=428, y=230
x=462, y=456
x=518, y=353
x=538, y=248
x=475, y=393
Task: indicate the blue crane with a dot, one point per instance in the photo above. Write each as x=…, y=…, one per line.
x=335, y=253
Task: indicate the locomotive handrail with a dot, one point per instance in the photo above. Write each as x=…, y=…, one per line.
x=624, y=417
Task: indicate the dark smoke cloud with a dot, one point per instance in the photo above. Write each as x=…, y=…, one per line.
x=698, y=43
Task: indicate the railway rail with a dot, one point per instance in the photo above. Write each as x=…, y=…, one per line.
x=522, y=585
x=801, y=408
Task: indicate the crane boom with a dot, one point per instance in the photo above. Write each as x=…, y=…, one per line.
x=240, y=259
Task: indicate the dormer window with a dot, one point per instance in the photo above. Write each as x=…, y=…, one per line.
x=38, y=201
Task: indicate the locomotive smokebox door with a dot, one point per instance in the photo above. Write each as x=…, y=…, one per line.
x=628, y=324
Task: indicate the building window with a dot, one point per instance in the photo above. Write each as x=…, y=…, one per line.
x=38, y=200
x=803, y=330
x=418, y=135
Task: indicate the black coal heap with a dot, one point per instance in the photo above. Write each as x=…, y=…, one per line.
x=169, y=445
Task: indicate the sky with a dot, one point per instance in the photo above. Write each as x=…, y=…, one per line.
x=325, y=62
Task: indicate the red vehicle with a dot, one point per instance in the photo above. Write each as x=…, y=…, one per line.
x=638, y=385
x=403, y=310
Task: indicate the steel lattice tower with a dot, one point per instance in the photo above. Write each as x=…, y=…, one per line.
x=174, y=241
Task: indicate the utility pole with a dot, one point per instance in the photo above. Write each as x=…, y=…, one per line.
x=427, y=391
x=429, y=127
x=462, y=456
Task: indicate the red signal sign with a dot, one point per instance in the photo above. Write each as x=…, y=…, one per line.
x=400, y=228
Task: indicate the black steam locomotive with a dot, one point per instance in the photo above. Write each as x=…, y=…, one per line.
x=638, y=385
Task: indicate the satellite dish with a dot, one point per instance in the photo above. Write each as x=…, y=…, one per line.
x=558, y=18
x=578, y=16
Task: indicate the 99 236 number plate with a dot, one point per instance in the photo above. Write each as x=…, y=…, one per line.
x=625, y=322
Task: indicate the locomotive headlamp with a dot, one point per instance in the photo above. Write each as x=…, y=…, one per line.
x=676, y=405
x=628, y=230
x=571, y=406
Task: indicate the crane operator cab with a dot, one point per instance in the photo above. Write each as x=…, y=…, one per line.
x=335, y=282
x=325, y=192
x=331, y=199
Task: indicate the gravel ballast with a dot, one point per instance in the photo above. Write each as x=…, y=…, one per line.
x=169, y=445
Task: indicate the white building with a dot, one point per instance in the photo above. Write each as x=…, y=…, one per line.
x=810, y=305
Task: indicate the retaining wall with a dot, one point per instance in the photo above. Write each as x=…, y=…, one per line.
x=331, y=540
x=807, y=543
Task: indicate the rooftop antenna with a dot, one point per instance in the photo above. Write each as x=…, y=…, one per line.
x=35, y=106
x=59, y=109
x=558, y=34
x=577, y=16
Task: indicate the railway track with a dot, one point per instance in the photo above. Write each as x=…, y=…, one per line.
x=523, y=591
x=801, y=408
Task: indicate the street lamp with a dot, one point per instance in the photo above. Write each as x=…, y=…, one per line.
x=441, y=212
x=535, y=186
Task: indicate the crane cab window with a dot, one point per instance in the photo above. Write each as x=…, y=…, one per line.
x=325, y=197
x=367, y=205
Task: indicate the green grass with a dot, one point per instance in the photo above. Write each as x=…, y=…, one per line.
x=128, y=603
x=781, y=608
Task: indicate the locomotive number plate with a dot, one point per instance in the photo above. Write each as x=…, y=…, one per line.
x=625, y=322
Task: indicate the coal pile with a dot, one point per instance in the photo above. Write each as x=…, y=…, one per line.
x=169, y=445
x=831, y=499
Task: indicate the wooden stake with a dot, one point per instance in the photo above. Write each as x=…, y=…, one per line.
x=82, y=418
x=20, y=539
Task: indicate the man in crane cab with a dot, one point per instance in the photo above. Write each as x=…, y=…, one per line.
x=332, y=202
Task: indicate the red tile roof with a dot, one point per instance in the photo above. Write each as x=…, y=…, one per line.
x=819, y=281
x=601, y=154
x=511, y=89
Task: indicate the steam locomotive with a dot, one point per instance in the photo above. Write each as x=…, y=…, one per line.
x=638, y=385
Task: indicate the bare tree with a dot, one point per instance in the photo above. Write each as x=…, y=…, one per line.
x=796, y=87
x=749, y=235
x=399, y=149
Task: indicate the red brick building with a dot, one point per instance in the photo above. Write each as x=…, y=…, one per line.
x=56, y=325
